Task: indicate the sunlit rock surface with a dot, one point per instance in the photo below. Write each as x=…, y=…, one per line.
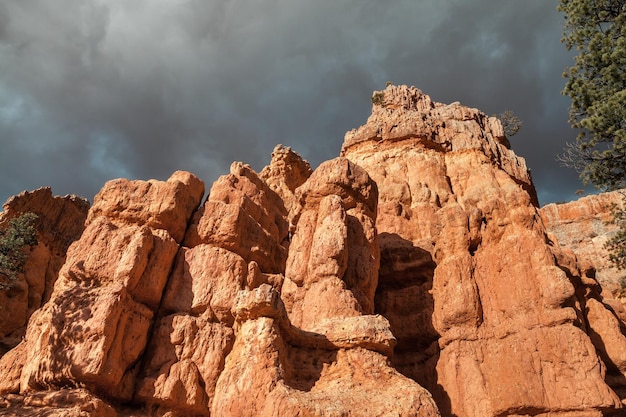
x=414, y=275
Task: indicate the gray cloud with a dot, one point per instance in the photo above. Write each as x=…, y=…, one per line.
x=94, y=90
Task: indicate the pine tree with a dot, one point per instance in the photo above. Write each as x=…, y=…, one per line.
x=596, y=29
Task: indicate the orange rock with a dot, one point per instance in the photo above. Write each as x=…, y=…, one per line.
x=184, y=360
x=332, y=269
x=156, y=204
x=460, y=229
x=583, y=227
x=62, y=403
x=60, y=221
x=205, y=282
x=525, y=371
x=11, y=365
x=233, y=241
x=95, y=327
x=188, y=348
x=243, y=215
x=286, y=172
x=273, y=372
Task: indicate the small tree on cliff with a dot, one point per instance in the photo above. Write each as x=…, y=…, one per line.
x=19, y=234
x=596, y=29
x=510, y=123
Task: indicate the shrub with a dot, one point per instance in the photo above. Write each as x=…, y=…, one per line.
x=19, y=234
x=378, y=98
x=616, y=245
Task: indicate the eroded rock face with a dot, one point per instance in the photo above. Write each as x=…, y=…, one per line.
x=276, y=369
x=154, y=204
x=224, y=343
x=583, y=226
x=243, y=215
x=316, y=349
x=62, y=403
x=96, y=325
x=286, y=172
x=334, y=250
x=60, y=221
x=485, y=316
x=411, y=276
x=237, y=236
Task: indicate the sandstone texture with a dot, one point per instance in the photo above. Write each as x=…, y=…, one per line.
x=583, y=226
x=286, y=172
x=414, y=275
x=487, y=317
x=60, y=221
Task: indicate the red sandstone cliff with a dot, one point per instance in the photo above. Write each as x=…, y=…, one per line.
x=584, y=227
x=59, y=222
x=413, y=276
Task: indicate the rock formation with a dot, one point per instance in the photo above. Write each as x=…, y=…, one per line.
x=60, y=221
x=583, y=226
x=414, y=275
x=493, y=328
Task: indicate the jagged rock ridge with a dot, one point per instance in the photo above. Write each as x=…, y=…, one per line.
x=411, y=276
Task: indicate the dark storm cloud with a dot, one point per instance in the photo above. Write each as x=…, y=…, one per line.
x=94, y=90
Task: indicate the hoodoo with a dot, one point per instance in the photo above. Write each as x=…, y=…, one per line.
x=414, y=275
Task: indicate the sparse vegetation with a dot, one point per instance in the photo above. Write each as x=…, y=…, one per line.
x=510, y=123
x=596, y=83
x=597, y=86
x=378, y=98
x=622, y=286
x=616, y=245
x=19, y=234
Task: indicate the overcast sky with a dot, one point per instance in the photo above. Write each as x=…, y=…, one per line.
x=92, y=90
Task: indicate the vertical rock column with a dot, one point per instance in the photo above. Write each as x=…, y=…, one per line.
x=317, y=349
x=95, y=327
x=332, y=269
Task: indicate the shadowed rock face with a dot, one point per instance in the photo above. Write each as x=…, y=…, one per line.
x=411, y=276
